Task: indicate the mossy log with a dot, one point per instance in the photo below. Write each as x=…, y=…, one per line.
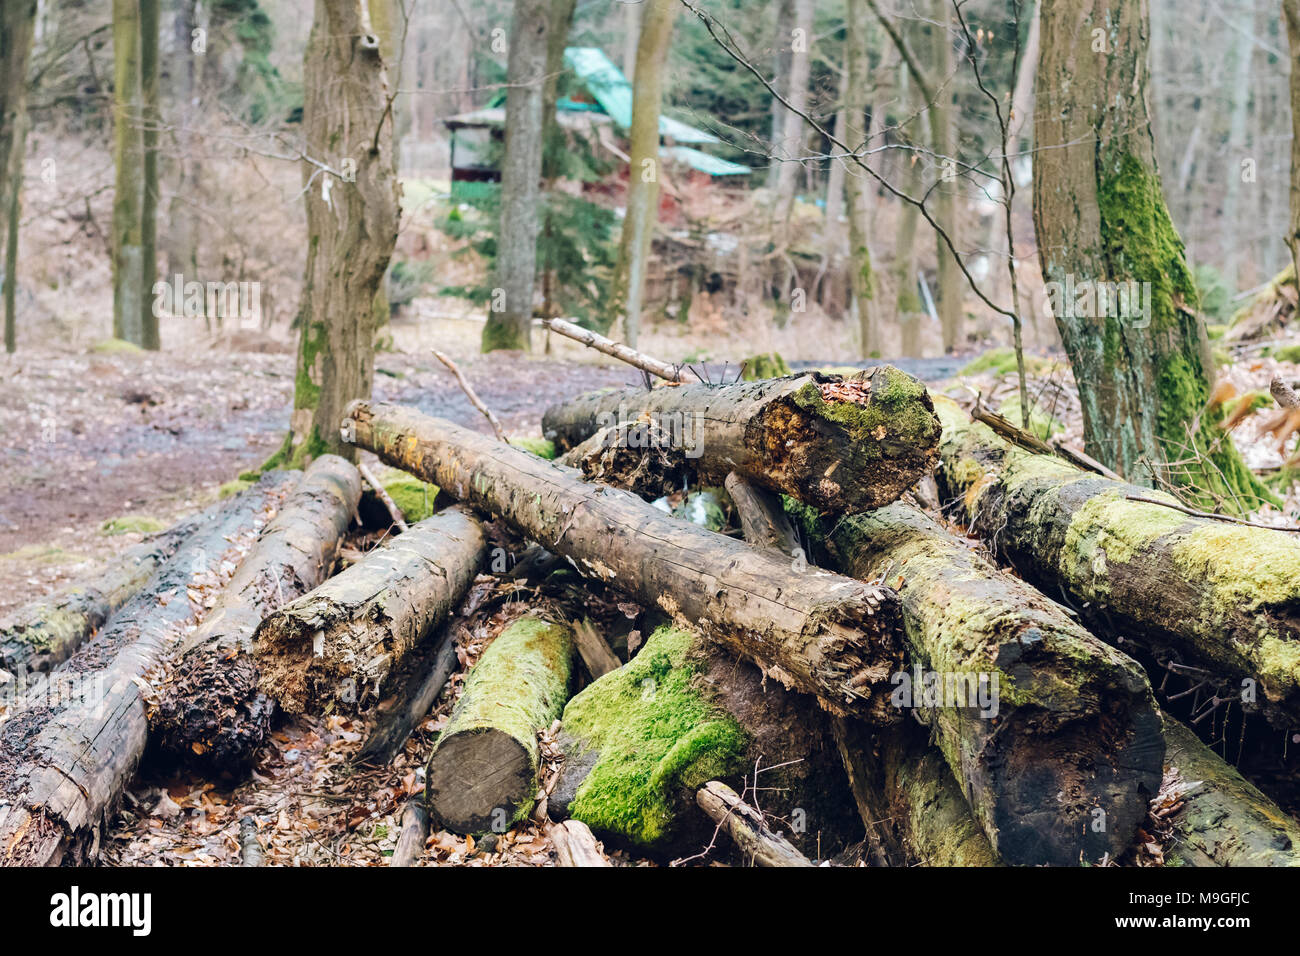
x=209, y=711
x=44, y=633
x=482, y=774
x=1212, y=594
x=1048, y=729
x=1224, y=820
x=334, y=647
x=826, y=634
x=639, y=743
x=70, y=746
x=839, y=444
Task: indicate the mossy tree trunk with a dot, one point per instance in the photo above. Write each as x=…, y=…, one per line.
x=1210, y=594
x=351, y=194
x=857, y=185
x=510, y=318
x=645, y=168
x=482, y=774
x=1144, y=370
x=17, y=31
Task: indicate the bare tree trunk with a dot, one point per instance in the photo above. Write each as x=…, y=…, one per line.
x=150, y=118
x=943, y=140
x=509, y=322
x=17, y=29
x=793, y=126
x=645, y=168
x=1291, y=10
x=352, y=213
x=908, y=301
x=856, y=194
x=1144, y=372
x=783, y=11
x=182, y=230
x=128, y=158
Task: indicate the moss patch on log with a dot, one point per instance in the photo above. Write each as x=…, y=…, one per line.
x=413, y=497
x=131, y=524
x=767, y=365
x=541, y=447
x=655, y=735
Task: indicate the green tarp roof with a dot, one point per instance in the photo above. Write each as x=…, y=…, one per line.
x=704, y=162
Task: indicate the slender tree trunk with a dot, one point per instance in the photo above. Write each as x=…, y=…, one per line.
x=783, y=11
x=150, y=118
x=645, y=169
x=908, y=302
x=857, y=89
x=186, y=77
x=1144, y=371
x=943, y=139
x=128, y=158
x=17, y=29
x=793, y=126
x=631, y=38
x=509, y=323
x=1237, y=146
x=352, y=213
x=1291, y=10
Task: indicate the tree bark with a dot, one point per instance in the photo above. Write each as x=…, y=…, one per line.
x=1143, y=372
x=644, y=168
x=1291, y=13
x=856, y=183
x=46, y=632
x=1228, y=593
x=837, y=444
x=17, y=32
x=790, y=146
x=352, y=215
x=150, y=120
x=509, y=323
x=398, y=714
x=757, y=842
x=1063, y=732
x=826, y=634
x=575, y=844
x=762, y=520
x=79, y=735
x=482, y=774
x=129, y=291
x=941, y=113
x=336, y=646
x=209, y=711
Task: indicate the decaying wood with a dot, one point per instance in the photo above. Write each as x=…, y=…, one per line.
x=575, y=844
x=827, y=634
x=834, y=443
x=762, y=520
x=593, y=649
x=415, y=832
x=638, y=456
x=746, y=826
x=1043, y=724
x=483, y=772
x=1220, y=596
x=394, y=512
x=396, y=716
x=44, y=633
x=335, y=646
x=209, y=711
x=1218, y=818
x=76, y=738
x=617, y=350
x=250, y=847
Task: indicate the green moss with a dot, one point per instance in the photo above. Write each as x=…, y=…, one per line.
x=541, y=447
x=413, y=497
x=656, y=736
x=132, y=524
x=1041, y=423
x=898, y=410
x=234, y=487
x=306, y=392
x=499, y=333
x=1254, y=400
x=115, y=347
x=767, y=365
x=1288, y=353
x=1003, y=362
x=41, y=554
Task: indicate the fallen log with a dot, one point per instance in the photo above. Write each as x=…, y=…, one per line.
x=46, y=632
x=415, y=831
x=397, y=716
x=250, y=847
x=762, y=520
x=837, y=444
x=334, y=647
x=618, y=350
x=208, y=710
x=1221, y=819
x=1217, y=595
x=575, y=844
x=824, y=633
x=640, y=741
x=1047, y=729
x=758, y=844
x=482, y=774
x=76, y=738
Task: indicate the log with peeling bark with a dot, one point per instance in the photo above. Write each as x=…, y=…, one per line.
x=76, y=738
x=415, y=831
x=1217, y=595
x=640, y=741
x=335, y=647
x=575, y=844
x=483, y=772
x=824, y=633
x=618, y=350
x=759, y=845
x=44, y=633
x=209, y=711
x=1043, y=724
x=411, y=700
x=1218, y=818
x=835, y=443
x=763, y=522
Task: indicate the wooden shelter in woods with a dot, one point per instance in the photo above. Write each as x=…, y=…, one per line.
x=600, y=102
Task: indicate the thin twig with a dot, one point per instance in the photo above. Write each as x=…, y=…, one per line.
x=473, y=396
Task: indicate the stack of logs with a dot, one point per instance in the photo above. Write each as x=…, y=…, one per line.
x=850, y=681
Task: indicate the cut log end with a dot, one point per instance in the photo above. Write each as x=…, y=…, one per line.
x=480, y=779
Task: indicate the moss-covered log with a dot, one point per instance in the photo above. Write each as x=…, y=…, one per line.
x=482, y=774
x=1053, y=734
x=336, y=646
x=1212, y=594
x=72, y=743
x=826, y=634
x=640, y=742
x=1224, y=820
x=44, y=633
x=209, y=711
x=841, y=444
